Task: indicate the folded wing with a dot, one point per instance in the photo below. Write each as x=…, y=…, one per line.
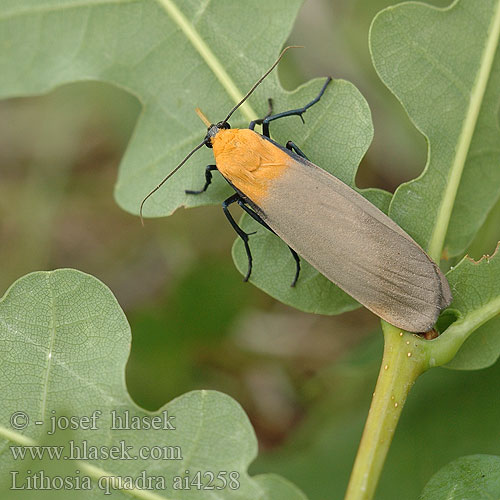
x=356, y=246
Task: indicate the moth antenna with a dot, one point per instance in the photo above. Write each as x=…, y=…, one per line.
x=168, y=177
x=261, y=79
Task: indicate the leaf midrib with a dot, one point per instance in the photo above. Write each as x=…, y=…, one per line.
x=208, y=56
x=52, y=328
x=442, y=222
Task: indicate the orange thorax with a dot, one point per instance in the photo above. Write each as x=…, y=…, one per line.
x=248, y=161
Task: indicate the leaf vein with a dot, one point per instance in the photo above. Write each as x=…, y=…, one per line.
x=52, y=329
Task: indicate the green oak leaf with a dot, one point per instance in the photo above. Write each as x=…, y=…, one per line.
x=444, y=67
x=474, y=477
x=476, y=302
x=64, y=343
x=175, y=56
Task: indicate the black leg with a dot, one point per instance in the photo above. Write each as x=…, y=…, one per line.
x=208, y=180
x=293, y=147
x=297, y=265
x=255, y=216
x=293, y=112
x=260, y=120
x=244, y=236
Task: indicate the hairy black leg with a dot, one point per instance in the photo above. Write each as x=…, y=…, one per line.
x=260, y=120
x=255, y=216
x=293, y=147
x=208, y=180
x=293, y=112
x=244, y=236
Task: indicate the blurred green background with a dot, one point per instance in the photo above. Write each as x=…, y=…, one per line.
x=304, y=380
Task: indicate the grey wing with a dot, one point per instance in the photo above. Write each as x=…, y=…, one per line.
x=356, y=246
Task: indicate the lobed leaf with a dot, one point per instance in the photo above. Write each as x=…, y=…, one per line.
x=64, y=345
x=175, y=56
x=444, y=67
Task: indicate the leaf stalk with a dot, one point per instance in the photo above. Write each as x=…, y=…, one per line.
x=403, y=361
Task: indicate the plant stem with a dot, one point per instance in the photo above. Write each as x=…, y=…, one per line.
x=403, y=361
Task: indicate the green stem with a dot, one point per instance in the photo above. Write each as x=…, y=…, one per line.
x=406, y=356
x=403, y=361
